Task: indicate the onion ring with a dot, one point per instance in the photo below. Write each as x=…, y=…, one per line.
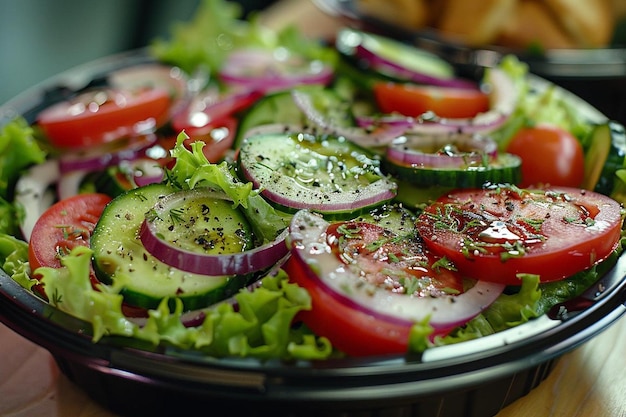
x=240, y=263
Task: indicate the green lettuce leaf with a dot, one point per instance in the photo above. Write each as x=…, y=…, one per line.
x=531, y=300
x=14, y=256
x=192, y=169
x=69, y=289
x=547, y=106
x=205, y=41
x=260, y=328
x=18, y=150
x=217, y=28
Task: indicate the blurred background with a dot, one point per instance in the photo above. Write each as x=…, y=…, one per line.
x=40, y=38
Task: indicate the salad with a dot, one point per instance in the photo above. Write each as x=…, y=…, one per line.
x=247, y=193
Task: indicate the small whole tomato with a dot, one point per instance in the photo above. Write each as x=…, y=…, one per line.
x=550, y=155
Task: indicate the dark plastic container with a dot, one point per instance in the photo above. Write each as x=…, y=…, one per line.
x=476, y=378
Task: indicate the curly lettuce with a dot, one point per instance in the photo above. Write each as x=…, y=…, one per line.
x=18, y=150
x=260, y=327
x=192, y=169
x=217, y=28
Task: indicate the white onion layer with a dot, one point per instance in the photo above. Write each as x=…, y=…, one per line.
x=441, y=151
x=307, y=240
x=503, y=98
x=272, y=70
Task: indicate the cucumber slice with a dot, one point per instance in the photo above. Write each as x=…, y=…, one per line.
x=110, y=181
x=415, y=198
x=279, y=108
x=271, y=109
x=326, y=174
x=391, y=216
x=390, y=58
x=604, y=157
x=121, y=259
x=505, y=168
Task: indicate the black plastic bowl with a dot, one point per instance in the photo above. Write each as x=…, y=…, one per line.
x=475, y=378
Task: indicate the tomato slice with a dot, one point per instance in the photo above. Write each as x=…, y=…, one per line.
x=391, y=263
x=550, y=156
x=350, y=330
x=218, y=137
x=210, y=108
x=63, y=226
x=414, y=100
x=398, y=264
x=104, y=115
x=495, y=234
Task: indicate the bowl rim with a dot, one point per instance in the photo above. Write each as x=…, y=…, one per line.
x=353, y=379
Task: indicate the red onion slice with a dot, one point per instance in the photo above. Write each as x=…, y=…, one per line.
x=69, y=183
x=210, y=106
x=503, y=96
x=270, y=70
x=371, y=136
x=100, y=157
x=240, y=263
x=397, y=59
x=307, y=239
x=386, y=66
x=144, y=171
x=441, y=151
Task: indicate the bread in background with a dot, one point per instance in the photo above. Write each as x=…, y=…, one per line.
x=548, y=24
x=531, y=25
x=619, y=9
x=406, y=13
x=474, y=22
x=590, y=23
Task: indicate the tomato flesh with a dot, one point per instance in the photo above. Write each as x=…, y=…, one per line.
x=207, y=110
x=496, y=234
x=63, y=226
x=387, y=262
x=414, y=100
x=103, y=116
x=401, y=265
x=350, y=330
x=218, y=138
x=550, y=156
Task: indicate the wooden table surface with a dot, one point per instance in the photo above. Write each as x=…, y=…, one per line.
x=587, y=382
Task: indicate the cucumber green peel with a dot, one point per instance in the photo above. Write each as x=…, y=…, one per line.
x=605, y=160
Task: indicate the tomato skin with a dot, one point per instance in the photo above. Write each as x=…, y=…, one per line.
x=561, y=231
x=352, y=331
x=550, y=156
x=80, y=122
x=218, y=137
x=218, y=141
x=384, y=261
x=413, y=100
x=63, y=226
x=211, y=108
